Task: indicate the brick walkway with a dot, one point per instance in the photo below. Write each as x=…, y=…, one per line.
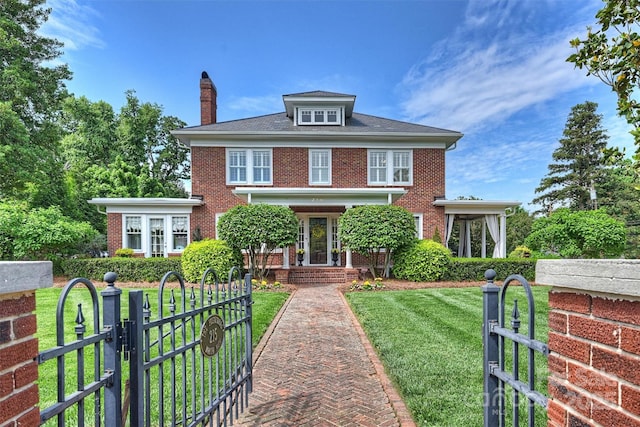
x=318, y=369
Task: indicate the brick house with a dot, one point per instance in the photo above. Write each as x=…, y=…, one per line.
x=318, y=157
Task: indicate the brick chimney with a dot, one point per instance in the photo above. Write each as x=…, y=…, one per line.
x=208, y=99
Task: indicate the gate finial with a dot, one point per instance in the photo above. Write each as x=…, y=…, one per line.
x=110, y=278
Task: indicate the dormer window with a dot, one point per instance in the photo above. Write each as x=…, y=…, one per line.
x=319, y=116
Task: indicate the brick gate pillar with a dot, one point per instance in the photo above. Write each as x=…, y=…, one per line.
x=594, y=339
x=18, y=345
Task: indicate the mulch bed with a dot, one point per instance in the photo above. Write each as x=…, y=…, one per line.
x=389, y=285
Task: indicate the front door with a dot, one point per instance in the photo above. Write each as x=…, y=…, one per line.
x=156, y=227
x=318, y=241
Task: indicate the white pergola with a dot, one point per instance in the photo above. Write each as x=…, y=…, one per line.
x=492, y=213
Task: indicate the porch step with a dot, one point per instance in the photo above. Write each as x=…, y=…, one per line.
x=320, y=275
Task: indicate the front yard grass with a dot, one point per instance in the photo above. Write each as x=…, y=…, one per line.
x=430, y=342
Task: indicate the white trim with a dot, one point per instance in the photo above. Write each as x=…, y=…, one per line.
x=145, y=234
x=314, y=110
x=249, y=165
x=480, y=207
x=320, y=196
x=311, y=167
x=420, y=225
x=304, y=218
x=363, y=140
x=389, y=167
x=147, y=205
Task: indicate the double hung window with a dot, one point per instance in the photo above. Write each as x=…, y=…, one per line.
x=247, y=166
x=133, y=230
x=320, y=167
x=390, y=167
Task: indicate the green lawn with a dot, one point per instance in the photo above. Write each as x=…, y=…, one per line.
x=430, y=342
x=265, y=307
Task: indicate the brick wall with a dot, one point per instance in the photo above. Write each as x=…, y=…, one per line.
x=594, y=339
x=18, y=345
x=114, y=236
x=291, y=170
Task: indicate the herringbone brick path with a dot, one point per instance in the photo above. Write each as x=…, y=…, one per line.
x=317, y=369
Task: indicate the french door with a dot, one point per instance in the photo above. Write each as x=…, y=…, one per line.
x=156, y=236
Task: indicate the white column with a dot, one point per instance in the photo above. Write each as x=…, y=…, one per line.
x=285, y=258
x=483, y=250
x=503, y=236
x=348, y=259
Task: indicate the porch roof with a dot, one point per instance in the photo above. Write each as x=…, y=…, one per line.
x=320, y=196
x=138, y=204
x=475, y=208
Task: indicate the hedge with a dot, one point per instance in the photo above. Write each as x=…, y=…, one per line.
x=473, y=269
x=127, y=269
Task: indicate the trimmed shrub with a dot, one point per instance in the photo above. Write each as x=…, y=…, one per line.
x=424, y=261
x=209, y=253
x=124, y=253
x=520, y=252
x=473, y=269
x=127, y=269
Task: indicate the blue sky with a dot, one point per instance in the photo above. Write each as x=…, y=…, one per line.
x=493, y=70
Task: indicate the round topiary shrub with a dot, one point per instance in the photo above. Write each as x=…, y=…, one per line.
x=520, y=252
x=425, y=261
x=209, y=253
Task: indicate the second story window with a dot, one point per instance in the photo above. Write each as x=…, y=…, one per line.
x=246, y=166
x=320, y=167
x=389, y=167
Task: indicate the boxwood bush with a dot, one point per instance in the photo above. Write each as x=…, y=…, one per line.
x=127, y=269
x=423, y=261
x=209, y=253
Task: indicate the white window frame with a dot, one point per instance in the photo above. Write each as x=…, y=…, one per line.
x=319, y=111
x=313, y=167
x=173, y=233
x=417, y=218
x=145, y=231
x=249, y=166
x=388, y=176
x=125, y=232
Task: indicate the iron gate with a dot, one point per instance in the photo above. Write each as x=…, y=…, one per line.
x=189, y=356
x=494, y=333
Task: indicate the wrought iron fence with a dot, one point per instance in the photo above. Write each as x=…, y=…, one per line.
x=494, y=333
x=189, y=357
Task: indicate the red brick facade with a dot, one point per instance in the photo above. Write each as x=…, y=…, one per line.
x=290, y=170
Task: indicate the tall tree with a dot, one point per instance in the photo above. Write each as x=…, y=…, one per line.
x=33, y=89
x=144, y=139
x=611, y=52
x=578, y=163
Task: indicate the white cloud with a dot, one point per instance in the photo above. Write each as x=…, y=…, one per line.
x=71, y=24
x=256, y=105
x=490, y=69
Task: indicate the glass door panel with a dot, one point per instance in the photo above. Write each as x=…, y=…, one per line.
x=156, y=226
x=318, y=241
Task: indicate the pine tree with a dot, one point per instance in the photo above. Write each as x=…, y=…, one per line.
x=578, y=163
